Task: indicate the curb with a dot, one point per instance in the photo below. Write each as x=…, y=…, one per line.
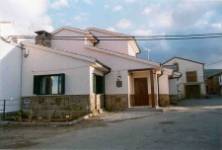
x=68, y=123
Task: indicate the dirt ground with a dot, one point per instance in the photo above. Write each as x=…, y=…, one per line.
x=19, y=136
x=194, y=124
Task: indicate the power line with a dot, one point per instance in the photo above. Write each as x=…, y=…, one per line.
x=138, y=38
x=213, y=63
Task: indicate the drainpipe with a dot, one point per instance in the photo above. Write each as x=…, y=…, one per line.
x=21, y=74
x=158, y=86
x=105, y=87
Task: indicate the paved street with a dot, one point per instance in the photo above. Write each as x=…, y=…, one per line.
x=195, y=124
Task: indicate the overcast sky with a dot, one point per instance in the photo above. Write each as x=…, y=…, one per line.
x=136, y=17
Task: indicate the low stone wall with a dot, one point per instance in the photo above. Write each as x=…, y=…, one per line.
x=164, y=100
x=174, y=99
x=116, y=102
x=55, y=108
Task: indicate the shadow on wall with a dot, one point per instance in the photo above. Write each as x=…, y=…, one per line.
x=10, y=76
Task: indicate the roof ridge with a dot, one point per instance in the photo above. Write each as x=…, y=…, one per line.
x=107, y=31
x=183, y=59
x=69, y=28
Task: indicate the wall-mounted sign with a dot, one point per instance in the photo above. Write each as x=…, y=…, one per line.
x=119, y=82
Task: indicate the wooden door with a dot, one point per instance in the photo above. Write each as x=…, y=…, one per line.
x=192, y=91
x=141, y=92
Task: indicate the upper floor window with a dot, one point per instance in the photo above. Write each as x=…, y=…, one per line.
x=191, y=76
x=53, y=84
x=176, y=67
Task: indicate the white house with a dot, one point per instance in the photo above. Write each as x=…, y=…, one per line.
x=88, y=73
x=191, y=83
x=71, y=72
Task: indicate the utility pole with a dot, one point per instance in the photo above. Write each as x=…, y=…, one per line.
x=148, y=53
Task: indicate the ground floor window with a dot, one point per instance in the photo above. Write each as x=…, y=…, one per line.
x=98, y=84
x=53, y=84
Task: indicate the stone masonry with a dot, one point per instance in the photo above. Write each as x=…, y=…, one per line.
x=55, y=108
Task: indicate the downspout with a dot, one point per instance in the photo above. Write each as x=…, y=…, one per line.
x=105, y=87
x=158, y=86
x=21, y=74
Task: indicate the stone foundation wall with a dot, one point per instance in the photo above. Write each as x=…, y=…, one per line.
x=116, y=102
x=164, y=100
x=55, y=108
x=174, y=99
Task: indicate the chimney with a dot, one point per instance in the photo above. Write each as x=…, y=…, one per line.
x=43, y=38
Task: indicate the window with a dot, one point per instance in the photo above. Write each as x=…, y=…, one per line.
x=49, y=84
x=176, y=67
x=191, y=76
x=98, y=84
x=220, y=80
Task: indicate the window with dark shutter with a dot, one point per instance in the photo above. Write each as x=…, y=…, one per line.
x=53, y=84
x=191, y=76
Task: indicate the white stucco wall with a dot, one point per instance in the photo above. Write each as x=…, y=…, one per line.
x=73, y=45
x=41, y=62
x=10, y=76
x=164, y=84
x=118, y=65
x=185, y=66
x=122, y=46
x=173, y=86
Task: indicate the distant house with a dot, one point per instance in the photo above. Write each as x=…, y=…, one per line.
x=213, y=79
x=191, y=83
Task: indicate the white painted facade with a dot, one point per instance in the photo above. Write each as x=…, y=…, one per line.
x=78, y=61
x=184, y=65
x=40, y=62
x=118, y=55
x=10, y=76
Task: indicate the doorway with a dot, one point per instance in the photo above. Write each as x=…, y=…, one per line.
x=192, y=91
x=141, y=97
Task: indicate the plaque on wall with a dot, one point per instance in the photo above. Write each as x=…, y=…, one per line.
x=26, y=103
x=119, y=83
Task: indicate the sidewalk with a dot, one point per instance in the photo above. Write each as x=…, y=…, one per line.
x=132, y=113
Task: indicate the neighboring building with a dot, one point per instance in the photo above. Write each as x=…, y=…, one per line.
x=213, y=79
x=60, y=73
x=191, y=83
x=10, y=75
